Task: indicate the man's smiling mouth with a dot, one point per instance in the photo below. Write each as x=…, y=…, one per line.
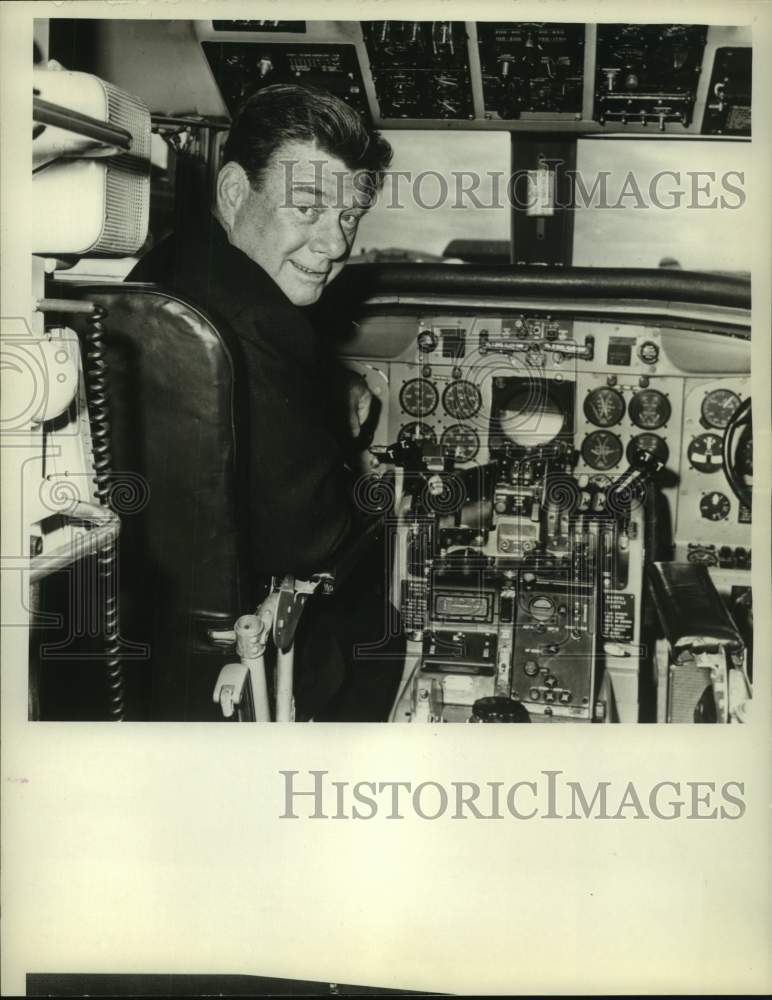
x=307, y=270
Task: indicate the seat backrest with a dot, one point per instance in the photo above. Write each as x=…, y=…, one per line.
x=177, y=409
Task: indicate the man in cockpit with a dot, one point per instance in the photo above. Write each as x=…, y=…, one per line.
x=300, y=169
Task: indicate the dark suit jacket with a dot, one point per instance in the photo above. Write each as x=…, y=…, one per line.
x=300, y=506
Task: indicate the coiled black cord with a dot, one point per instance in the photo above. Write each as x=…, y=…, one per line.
x=95, y=368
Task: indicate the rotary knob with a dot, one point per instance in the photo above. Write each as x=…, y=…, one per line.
x=427, y=341
x=542, y=608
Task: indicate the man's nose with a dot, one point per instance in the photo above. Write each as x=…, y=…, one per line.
x=329, y=238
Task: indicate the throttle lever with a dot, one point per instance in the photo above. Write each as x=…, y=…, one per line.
x=644, y=465
x=416, y=455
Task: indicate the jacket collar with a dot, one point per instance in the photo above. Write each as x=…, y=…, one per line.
x=242, y=292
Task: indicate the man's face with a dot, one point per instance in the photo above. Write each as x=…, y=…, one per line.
x=301, y=223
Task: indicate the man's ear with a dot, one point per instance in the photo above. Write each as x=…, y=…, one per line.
x=232, y=189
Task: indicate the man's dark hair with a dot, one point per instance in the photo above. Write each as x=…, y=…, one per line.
x=285, y=113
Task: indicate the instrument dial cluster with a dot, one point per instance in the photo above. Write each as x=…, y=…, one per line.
x=710, y=521
x=441, y=395
x=622, y=418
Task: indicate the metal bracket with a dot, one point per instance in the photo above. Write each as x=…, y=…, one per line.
x=291, y=596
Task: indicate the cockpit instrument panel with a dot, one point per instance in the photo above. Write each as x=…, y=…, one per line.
x=243, y=68
x=531, y=68
x=647, y=72
x=420, y=69
x=728, y=104
x=515, y=75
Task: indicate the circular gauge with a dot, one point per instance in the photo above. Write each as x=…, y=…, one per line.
x=604, y=407
x=416, y=431
x=704, y=452
x=652, y=443
x=418, y=397
x=460, y=442
x=602, y=450
x=530, y=417
x=462, y=400
x=718, y=406
x=649, y=409
x=648, y=352
x=702, y=557
x=715, y=507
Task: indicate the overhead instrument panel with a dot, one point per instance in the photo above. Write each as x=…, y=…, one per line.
x=531, y=68
x=242, y=68
x=647, y=73
x=420, y=69
x=680, y=79
x=728, y=104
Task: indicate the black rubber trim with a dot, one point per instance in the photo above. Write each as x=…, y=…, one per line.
x=366, y=280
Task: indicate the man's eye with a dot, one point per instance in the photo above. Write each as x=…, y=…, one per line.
x=309, y=212
x=350, y=221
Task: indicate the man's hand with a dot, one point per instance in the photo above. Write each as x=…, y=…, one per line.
x=360, y=400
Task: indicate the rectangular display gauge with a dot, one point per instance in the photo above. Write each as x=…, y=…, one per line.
x=463, y=607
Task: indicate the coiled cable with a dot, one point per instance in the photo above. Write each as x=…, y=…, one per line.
x=95, y=368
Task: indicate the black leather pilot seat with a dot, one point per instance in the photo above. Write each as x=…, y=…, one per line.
x=176, y=412
x=700, y=659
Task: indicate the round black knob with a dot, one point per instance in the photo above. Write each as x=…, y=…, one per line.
x=499, y=710
x=427, y=341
